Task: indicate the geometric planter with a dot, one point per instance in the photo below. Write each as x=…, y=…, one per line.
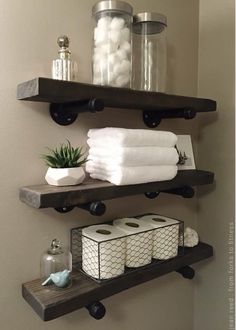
x=65, y=176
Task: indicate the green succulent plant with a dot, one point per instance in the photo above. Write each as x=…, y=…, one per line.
x=65, y=156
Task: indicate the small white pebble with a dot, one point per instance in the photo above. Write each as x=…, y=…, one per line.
x=104, y=22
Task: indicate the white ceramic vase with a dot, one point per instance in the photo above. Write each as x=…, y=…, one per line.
x=65, y=176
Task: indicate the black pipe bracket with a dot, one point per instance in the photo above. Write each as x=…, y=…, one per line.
x=97, y=208
x=187, y=272
x=153, y=118
x=185, y=192
x=97, y=310
x=66, y=113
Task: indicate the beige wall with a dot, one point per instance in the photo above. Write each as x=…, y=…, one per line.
x=216, y=153
x=28, y=32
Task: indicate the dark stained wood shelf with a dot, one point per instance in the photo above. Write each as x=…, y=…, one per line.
x=56, y=91
x=50, y=304
x=44, y=196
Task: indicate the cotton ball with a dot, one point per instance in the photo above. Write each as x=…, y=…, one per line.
x=100, y=36
x=112, y=59
x=122, y=80
x=108, y=48
x=96, y=69
x=95, y=33
x=121, y=54
x=103, y=66
x=96, y=80
x=115, y=36
x=117, y=69
x=125, y=66
x=126, y=46
x=96, y=55
x=111, y=76
x=104, y=22
x=125, y=34
x=117, y=23
x=122, y=68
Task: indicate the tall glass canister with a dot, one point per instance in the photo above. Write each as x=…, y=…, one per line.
x=149, y=52
x=112, y=43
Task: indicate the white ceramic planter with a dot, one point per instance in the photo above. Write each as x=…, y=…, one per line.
x=65, y=176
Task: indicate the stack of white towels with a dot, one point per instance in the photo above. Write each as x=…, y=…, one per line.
x=131, y=156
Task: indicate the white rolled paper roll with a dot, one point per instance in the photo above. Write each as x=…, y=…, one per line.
x=103, y=251
x=165, y=235
x=138, y=241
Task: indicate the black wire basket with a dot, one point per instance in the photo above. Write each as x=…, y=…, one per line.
x=111, y=258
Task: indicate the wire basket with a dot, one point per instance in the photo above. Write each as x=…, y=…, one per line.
x=111, y=258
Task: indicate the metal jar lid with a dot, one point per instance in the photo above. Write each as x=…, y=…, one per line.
x=154, y=22
x=112, y=5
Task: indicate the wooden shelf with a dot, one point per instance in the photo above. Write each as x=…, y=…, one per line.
x=57, y=91
x=50, y=304
x=44, y=196
x=68, y=99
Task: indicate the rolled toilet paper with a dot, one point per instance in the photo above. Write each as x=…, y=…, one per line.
x=138, y=241
x=165, y=235
x=103, y=251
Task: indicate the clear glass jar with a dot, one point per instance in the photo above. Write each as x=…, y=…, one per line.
x=149, y=52
x=64, y=68
x=112, y=43
x=57, y=261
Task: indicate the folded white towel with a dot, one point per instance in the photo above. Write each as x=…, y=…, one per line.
x=132, y=175
x=130, y=137
x=134, y=156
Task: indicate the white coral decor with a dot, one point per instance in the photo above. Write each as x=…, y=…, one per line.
x=65, y=176
x=191, y=238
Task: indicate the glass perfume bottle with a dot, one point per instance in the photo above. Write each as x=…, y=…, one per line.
x=56, y=265
x=64, y=68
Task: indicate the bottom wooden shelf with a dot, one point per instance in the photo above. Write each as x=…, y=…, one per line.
x=50, y=304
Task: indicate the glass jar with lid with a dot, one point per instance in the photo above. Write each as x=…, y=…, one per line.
x=112, y=43
x=149, y=52
x=56, y=265
x=64, y=68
